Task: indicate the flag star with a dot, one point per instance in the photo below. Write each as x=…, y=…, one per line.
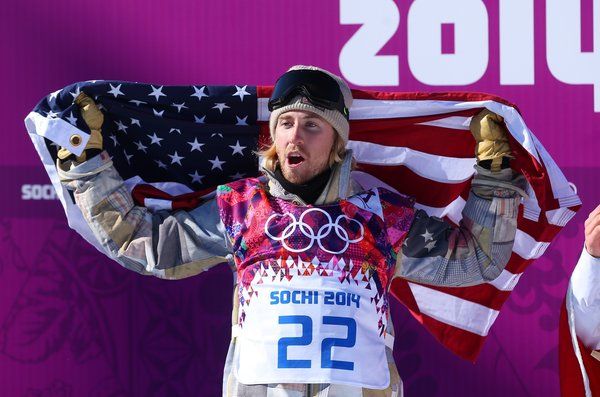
x=199, y=120
x=155, y=139
x=237, y=175
x=157, y=113
x=141, y=146
x=136, y=122
x=135, y=101
x=177, y=130
x=76, y=93
x=179, y=106
x=221, y=106
x=160, y=164
x=196, y=145
x=101, y=107
x=156, y=92
x=196, y=178
x=241, y=92
x=121, y=126
x=54, y=95
x=427, y=236
x=127, y=157
x=216, y=163
x=430, y=245
x=116, y=91
x=405, y=244
x=51, y=114
x=216, y=134
x=175, y=158
x=199, y=92
x=237, y=148
x=71, y=119
x=114, y=139
x=241, y=121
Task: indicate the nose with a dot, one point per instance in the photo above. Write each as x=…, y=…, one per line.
x=296, y=135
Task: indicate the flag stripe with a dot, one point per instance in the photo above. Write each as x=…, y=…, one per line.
x=506, y=281
x=461, y=342
x=432, y=194
x=483, y=294
x=449, y=309
x=428, y=96
x=527, y=247
x=450, y=122
x=423, y=138
x=430, y=166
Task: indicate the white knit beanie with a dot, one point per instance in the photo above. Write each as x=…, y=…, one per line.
x=333, y=117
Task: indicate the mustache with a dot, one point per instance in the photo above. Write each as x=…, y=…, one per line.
x=296, y=150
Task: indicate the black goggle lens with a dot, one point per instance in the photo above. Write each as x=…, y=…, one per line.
x=319, y=88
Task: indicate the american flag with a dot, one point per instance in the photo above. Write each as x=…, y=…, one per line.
x=174, y=144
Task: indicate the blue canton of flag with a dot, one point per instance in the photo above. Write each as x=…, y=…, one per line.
x=199, y=136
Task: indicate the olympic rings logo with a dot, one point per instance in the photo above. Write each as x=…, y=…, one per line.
x=324, y=231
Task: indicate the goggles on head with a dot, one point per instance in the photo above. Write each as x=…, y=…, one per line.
x=317, y=87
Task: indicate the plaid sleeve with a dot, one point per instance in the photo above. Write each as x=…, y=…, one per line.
x=169, y=245
x=437, y=252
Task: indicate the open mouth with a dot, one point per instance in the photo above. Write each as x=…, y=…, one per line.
x=295, y=159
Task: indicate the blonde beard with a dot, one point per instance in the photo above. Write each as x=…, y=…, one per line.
x=297, y=179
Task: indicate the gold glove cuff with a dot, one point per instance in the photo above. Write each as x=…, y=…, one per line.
x=491, y=136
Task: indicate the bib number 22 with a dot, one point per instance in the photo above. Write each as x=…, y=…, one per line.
x=327, y=344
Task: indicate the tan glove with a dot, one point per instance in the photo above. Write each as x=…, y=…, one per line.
x=491, y=136
x=94, y=118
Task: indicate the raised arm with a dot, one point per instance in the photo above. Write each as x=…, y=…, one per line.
x=166, y=244
x=436, y=252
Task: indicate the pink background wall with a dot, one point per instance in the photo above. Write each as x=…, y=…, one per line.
x=73, y=323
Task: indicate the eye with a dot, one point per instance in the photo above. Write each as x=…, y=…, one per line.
x=312, y=125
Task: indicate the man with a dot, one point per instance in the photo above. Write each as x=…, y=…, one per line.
x=579, y=345
x=314, y=251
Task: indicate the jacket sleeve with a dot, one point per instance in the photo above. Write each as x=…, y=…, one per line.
x=585, y=300
x=436, y=252
x=166, y=244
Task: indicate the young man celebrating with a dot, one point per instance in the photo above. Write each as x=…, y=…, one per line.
x=314, y=251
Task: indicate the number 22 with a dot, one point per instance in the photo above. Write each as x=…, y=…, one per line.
x=326, y=344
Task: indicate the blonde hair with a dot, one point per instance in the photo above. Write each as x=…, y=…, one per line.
x=337, y=154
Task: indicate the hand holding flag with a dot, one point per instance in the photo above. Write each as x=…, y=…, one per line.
x=94, y=118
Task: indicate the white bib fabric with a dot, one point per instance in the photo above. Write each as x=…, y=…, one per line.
x=312, y=328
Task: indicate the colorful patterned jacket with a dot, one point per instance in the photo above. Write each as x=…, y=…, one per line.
x=174, y=245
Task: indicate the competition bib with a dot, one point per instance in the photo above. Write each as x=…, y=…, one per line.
x=312, y=328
